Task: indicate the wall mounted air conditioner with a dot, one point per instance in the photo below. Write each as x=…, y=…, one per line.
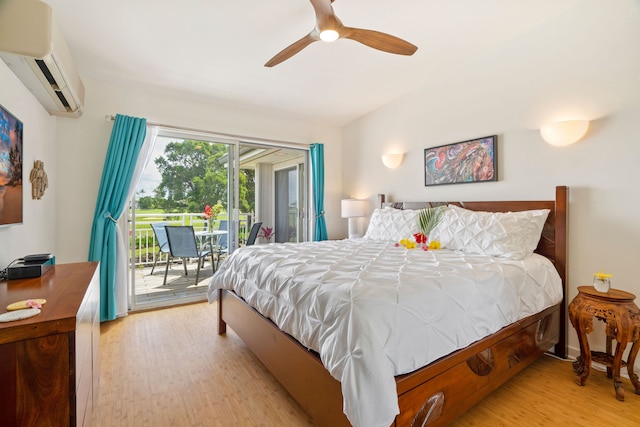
x=32, y=46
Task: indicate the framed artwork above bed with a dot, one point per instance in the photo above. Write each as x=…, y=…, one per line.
x=463, y=162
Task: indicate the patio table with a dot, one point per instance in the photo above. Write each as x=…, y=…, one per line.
x=210, y=237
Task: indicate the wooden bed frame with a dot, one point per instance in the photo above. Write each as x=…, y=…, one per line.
x=439, y=392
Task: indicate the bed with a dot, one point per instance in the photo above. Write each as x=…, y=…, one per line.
x=432, y=393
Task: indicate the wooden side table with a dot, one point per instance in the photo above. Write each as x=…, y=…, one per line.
x=622, y=317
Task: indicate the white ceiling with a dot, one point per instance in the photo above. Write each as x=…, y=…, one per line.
x=215, y=50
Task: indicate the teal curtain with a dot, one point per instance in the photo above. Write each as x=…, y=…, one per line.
x=317, y=171
x=127, y=136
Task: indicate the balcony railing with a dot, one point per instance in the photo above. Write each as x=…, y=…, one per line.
x=146, y=248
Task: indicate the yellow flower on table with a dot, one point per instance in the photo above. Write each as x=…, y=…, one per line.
x=602, y=275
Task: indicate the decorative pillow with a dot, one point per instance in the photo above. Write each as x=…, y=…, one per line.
x=392, y=224
x=512, y=235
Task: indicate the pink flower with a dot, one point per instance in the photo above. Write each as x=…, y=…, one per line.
x=267, y=233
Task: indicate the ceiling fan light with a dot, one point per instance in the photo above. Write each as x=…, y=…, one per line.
x=329, y=35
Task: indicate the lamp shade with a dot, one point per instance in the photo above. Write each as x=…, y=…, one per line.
x=352, y=208
x=392, y=161
x=564, y=133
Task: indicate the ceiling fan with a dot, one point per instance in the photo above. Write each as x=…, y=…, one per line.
x=329, y=28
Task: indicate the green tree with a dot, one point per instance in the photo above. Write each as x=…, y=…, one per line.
x=144, y=201
x=191, y=176
x=194, y=174
x=247, y=190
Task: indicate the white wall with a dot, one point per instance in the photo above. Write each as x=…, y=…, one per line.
x=37, y=234
x=82, y=146
x=584, y=65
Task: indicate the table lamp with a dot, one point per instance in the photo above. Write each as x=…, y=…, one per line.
x=352, y=209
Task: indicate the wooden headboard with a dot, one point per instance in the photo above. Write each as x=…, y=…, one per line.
x=552, y=245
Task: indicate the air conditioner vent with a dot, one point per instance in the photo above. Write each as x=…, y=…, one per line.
x=63, y=100
x=47, y=74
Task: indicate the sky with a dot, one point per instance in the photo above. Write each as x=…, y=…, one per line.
x=151, y=177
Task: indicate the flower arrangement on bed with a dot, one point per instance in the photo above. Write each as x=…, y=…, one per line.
x=369, y=332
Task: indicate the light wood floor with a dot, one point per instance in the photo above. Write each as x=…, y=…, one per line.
x=170, y=368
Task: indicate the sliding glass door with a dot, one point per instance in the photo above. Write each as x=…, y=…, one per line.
x=220, y=187
x=281, y=186
x=188, y=181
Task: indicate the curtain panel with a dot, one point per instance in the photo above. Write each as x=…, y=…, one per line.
x=127, y=137
x=317, y=173
x=123, y=273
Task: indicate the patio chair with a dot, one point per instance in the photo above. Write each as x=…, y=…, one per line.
x=253, y=234
x=222, y=244
x=161, y=241
x=182, y=244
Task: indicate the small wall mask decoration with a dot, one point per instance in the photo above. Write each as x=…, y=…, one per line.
x=39, y=180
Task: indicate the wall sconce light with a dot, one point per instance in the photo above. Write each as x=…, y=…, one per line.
x=352, y=209
x=392, y=161
x=564, y=133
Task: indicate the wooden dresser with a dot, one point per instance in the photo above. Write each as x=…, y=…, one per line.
x=49, y=363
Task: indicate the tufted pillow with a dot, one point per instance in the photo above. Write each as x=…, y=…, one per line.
x=513, y=235
x=392, y=224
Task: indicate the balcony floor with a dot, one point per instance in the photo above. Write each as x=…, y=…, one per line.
x=149, y=290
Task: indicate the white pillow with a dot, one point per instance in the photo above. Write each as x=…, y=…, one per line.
x=392, y=224
x=512, y=235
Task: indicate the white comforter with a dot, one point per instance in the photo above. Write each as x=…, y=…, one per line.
x=373, y=310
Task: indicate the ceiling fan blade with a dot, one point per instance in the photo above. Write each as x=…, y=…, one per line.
x=378, y=40
x=291, y=50
x=323, y=9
